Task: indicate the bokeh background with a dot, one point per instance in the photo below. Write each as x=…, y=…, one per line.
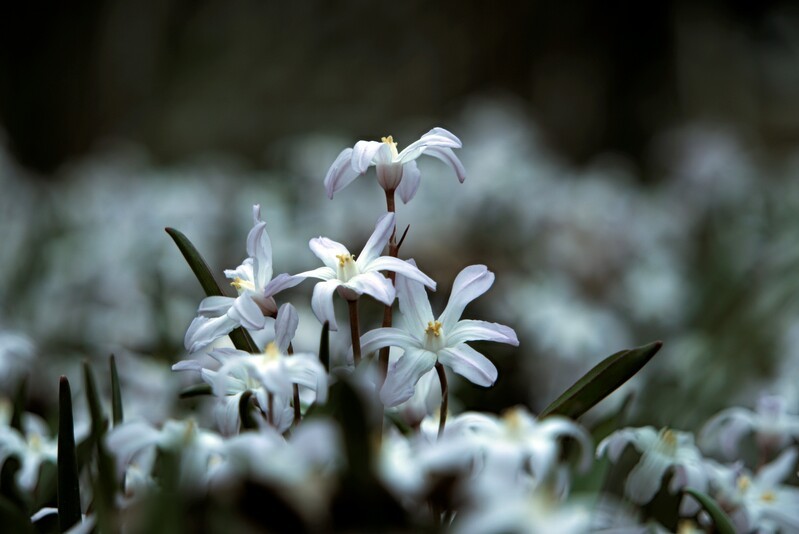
x=632, y=175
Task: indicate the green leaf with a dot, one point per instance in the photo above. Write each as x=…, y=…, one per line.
x=196, y=390
x=720, y=519
x=19, y=406
x=240, y=337
x=324, y=346
x=9, y=489
x=245, y=411
x=116, y=393
x=69, y=511
x=601, y=381
x=12, y=519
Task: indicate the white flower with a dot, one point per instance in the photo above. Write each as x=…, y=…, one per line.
x=659, y=452
x=354, y=277
x=33, y=448
x=395, y=170
x=256, y=288
x=772, y=424
x=427, y=340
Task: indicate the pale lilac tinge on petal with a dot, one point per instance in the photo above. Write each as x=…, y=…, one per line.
x=556, y=427
x=203, y=331
x=431, y=140
x=448, y=156
x=406, y=269
x=411, y=178
x=322, y=302
x=286, y=326
x=244, y=271
x=283, y=281
x=470, y=283
x=689, y=475
x=615, y=444
x=470, y=364
x=327, y=250
x=226, y=414
x=470, y=330
x=320, y=273
x=306, y=370
x=388, y=337
x=275, y=378
x=128, y=440
x=215, y=306
x=377, y=241
x=282, y=413
x=363, y=155
x=187, y=365
x=779, y=469
x=404, y=374
x=645, y=479
x=414, y=303
x=373, y=284
x=445, y=137
x=726, y=429
x=340, y=174
x=224, y=354
x=247, y=313
x=259, y=248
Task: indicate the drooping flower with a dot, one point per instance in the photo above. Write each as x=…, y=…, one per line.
x=353, y=277
x=395, y=170
x=427, y=340
x=32, y=447
x=255, y=286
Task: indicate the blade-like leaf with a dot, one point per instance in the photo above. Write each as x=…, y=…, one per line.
x=324, y=346
x=601, y=381
x=19, y=405
x=116, y=393
x=12, y=519
x=68, y=484
x=240, y=337
x=720, y=519
x=196, y=390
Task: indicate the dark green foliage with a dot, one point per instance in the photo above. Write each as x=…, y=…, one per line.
x=69, y=511
x=116, y=393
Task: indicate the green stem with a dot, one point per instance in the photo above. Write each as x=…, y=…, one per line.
x=355, y=331
x=442, y=377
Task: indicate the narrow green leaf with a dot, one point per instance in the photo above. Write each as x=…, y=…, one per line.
x=12, y=519
x=196, y=390
x=601, y=381
x=240, y=337
x=19, y=405
x=9, y=489
x=245, y=411
x=720, y=518
x=324, y=346
x=68, y=484
x=116, y=393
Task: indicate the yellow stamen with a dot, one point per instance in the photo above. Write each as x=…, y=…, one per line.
x=433, y=328
x=241, y=284
x=343, y=259
x=768, y=496
x=392, y=145
x=744, y=482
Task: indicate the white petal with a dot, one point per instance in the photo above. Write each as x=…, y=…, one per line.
x=469, y=330
x=281, y=282
x=555, y=427
x=388, y=337
x=203, y=331
x=215, y=306
x=434, y=139
x=363, y=155
x=226, y=414
x=411, y=178
x=322, y=302
x=373, y=284
x=187, y=365
x=470, y=364
x=414, y=303
x=404, y=374
x=448, y=156
x=321, y=273
x=259, y=248
x=644, y=481
x=326, y=250
x=441, y=134
x=409, y=270
x=275, y=378
x=778, y=470
x=377, y=241
x=247, y=313
x=341, y=173
x=306, y=370
x=286, y=326
x=470, y=283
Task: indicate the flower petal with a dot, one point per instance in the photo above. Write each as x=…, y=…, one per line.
x=470, y=364
x=259, y=248
x=404, y=374
x=377, y=241
x=322, y=302
x=203, y=331
x=326, y=250
x=306, y=370
x=281, y=282
x=437, y=138
x=215, y=306
x=644, y=481
x=187, y=365
x=363, y=155
x=469, y=330
x=414, y=303
x=388, y=337
x=409, y=270
x=448, y=156
x=247, y=313
x=470, y=283
x=373, y=284
x=341, y=173
x=285, y=326
x=778, y=470
x=411, y=178
x=322, y=273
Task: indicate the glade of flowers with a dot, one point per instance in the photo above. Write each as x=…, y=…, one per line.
x=368, y=438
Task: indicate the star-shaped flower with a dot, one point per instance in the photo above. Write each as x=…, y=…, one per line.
x=427, y=340
x=395, y=170
x=353, y=277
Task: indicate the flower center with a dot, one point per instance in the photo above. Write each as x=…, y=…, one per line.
x=433, y=336
x=768, y=496
x=347, y=268
x=389, y=140
x=242, y=285
x=667, y=442
x=743, y=483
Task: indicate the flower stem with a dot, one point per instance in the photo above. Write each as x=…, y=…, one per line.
x=442, y=377
x=393, y=251
x=270, y=409
x=297, y=411
x=355, y=331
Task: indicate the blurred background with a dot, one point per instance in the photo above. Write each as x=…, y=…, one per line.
x=632, y=176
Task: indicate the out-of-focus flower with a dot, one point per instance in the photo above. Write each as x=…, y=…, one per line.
x=32, y=447
x=256, y=287
x=427, y=340
x=525, y=514
x=395, y=170
x=17, y=354
x=659, y=452
x=759, y=502
x=773, y=426
x=354, y=277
